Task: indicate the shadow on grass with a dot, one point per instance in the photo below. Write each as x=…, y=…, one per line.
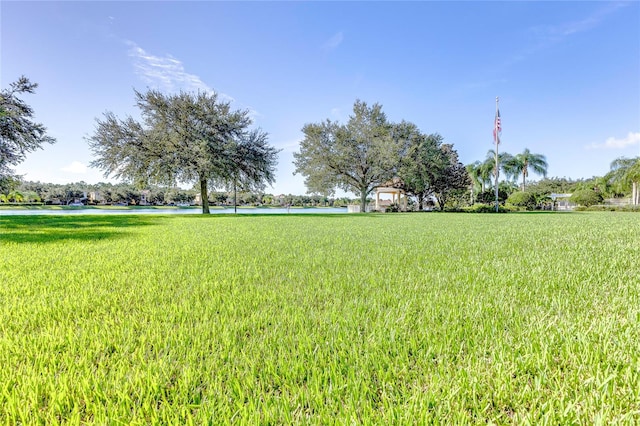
x=309, y=215
x=547, y=212
x=47, y=229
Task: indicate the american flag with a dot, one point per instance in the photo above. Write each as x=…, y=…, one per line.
x=497, y=127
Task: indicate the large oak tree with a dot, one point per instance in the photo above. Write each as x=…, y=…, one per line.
x=357, y=157
x=184, y=137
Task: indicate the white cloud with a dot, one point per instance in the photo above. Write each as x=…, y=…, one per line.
x=75, y=167
x=618, y=143
x=166, y=72
x=333, y=42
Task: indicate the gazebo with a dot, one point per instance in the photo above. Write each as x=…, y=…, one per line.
x=398, y=195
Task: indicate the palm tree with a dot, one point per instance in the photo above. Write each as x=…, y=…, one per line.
x=474, y=170
x=485, y=172
x=626, y=171
x=504, y=161
x=16, y=196
x=521, y=164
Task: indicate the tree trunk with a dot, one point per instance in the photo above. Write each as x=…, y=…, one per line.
x=235, y=197
x=420, y=198
x=363, y=200
x=635, y=194
x=204, y=194
x=524, y=188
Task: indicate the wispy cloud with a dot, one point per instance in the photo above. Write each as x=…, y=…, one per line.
x=333, y=42
x=289, y=146
x=75, y=167
x=546, y=36
x=585, y=24
x=618, y=143
x=166, y=72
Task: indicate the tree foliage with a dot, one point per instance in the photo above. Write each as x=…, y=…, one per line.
x=19, y=134
x=521, y=164
x=489, y=196
x=422, y=164
x=548, y=186
x=184, y=137
x=358, y=156
x=487, y=169
x=586, y=197
x=522, y=199
x=626, y=172
x=452, y=178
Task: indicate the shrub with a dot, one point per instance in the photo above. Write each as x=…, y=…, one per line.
x=393, y=208
x=487, y=208
x=489, y=196
x=601, y=208
x=522, y=199
x=586, y=197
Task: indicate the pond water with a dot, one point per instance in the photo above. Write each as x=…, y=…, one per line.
x=80, y=211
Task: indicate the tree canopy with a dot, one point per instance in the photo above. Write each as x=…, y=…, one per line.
x=370, y=151
x=19, y=134
x=184, y=137
x=358, y=156
x=521, y=164
x=626, y=172
x=430, y=167
x=453, y=177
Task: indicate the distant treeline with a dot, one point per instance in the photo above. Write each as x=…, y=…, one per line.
x=14, y=190
x=108, y=193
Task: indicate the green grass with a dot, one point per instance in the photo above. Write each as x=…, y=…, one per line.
x=320, y=319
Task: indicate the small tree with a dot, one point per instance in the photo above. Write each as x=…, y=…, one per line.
x=452, y=178
x=489, y=196
x=15, y=196
x=626, y=172
x=586, y=197
x=522, y=199
x=423, y=162
x=522, y=164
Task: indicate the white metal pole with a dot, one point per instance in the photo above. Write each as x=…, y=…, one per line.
x=497, y=140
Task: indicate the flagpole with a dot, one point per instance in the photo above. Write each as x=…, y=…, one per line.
x=497, y=141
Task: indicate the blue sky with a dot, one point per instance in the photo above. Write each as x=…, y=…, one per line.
x=567, y=73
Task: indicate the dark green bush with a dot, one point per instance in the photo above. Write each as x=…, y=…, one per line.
x=522, y=199
x=487, y=208
x=604, y=208
x=586, y=197
x=489, y=196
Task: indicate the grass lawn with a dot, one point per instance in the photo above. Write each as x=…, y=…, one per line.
x=321, y=319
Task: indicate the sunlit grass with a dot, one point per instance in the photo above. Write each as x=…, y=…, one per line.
x=279, y=319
